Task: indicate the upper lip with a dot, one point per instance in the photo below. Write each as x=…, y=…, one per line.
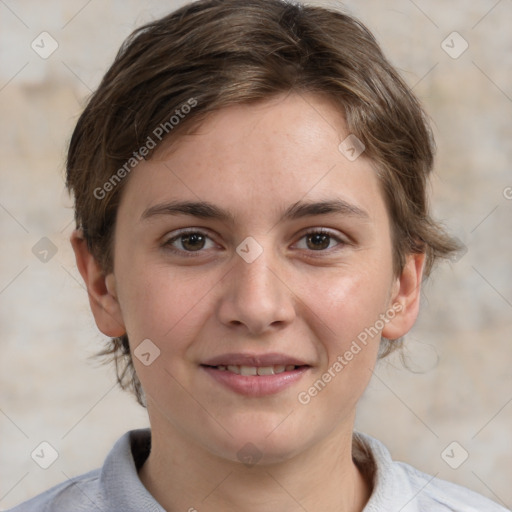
x=238, y=359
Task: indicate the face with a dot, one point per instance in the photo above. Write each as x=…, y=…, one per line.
x=252, y=247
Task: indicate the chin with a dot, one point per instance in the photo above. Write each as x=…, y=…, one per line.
x=261, y=446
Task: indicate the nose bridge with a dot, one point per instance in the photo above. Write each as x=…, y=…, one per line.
x=255, y=294
x=257, y=277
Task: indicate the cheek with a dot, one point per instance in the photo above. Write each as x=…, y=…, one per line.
x=351, y=301
x=351, y=307
x=161, y=305
x=170, y=312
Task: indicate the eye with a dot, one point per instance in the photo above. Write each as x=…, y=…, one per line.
x=319, y=240
x=189, y=241
x=194, y=241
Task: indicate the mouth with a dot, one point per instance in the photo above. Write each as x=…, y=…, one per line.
x=251, y=371
x=255, y=376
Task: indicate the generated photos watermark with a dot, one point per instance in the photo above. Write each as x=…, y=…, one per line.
x=304, y=397
x=151, y=142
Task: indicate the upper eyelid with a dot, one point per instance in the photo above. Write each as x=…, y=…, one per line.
x=204, y=231
x=185, y=231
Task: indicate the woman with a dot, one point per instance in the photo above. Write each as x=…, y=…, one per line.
x=253, y=231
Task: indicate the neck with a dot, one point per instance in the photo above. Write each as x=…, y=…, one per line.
x=184, y=476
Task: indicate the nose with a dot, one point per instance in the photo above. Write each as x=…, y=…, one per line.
x=256, y=297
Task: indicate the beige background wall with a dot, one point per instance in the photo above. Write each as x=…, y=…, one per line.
x=461, y=347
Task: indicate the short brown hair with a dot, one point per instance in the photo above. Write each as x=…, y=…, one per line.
x=210, y=54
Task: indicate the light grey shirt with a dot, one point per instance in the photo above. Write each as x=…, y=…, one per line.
x=397, y=487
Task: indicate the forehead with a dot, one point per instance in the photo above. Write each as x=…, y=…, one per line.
x=259, y=158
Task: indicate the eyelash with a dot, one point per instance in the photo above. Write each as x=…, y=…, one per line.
x=181, y=252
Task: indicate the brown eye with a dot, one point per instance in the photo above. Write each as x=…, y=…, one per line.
x=189, y=242
x=192, y=242
x=318, y=241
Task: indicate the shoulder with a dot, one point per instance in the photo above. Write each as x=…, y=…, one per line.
x=397, y=485
x=115, y=486
x=436, y=494
x=80, y=494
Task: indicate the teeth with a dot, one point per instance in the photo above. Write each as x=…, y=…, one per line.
x=256, y=370
x=248, y=370
x=266, y=370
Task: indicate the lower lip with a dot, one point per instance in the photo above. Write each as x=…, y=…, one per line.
x=256, y=385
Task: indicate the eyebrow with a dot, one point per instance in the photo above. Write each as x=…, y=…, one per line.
x=300, y=209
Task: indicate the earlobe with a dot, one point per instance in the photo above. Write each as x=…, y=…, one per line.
x=405, y=299
x=100, y=288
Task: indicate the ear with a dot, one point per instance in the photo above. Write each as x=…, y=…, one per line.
x=100, y=287
x=405, y=297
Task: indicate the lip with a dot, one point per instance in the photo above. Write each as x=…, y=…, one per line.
x=268, y=359
x=256, y=386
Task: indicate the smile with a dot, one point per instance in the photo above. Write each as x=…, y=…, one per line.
x=255, y=381
x=256, y=370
